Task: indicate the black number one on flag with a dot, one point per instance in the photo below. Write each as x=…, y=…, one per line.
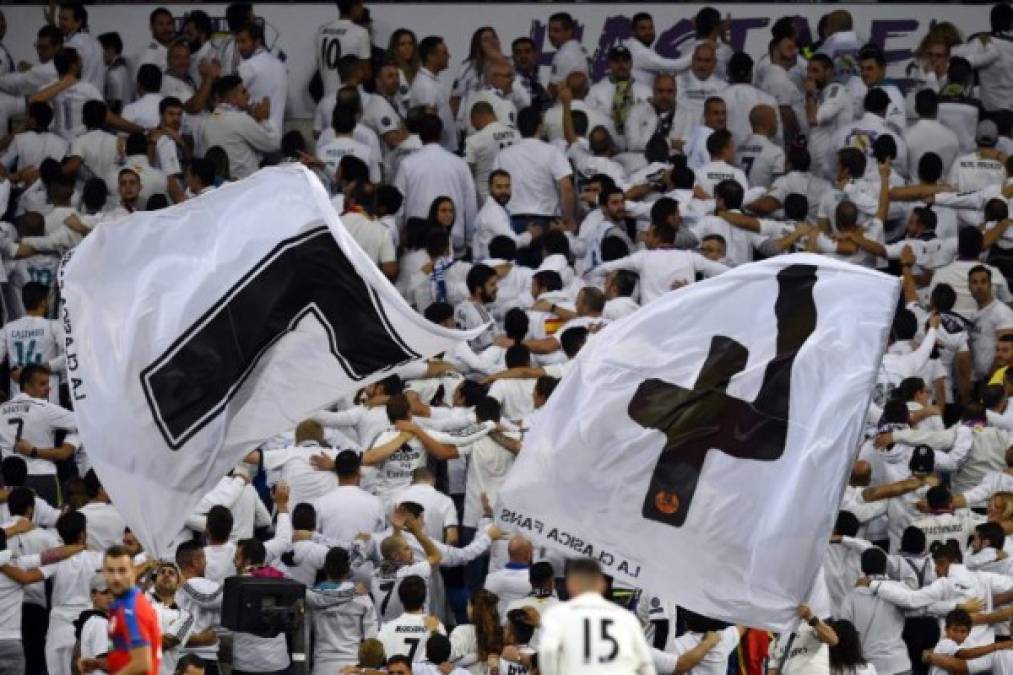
x=193, y=380
x=706, y=418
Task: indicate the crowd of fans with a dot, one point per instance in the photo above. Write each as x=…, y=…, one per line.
x=540, y=208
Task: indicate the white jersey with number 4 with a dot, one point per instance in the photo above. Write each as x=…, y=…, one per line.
x=34, y=340
x=592, y=636
x=34, y=420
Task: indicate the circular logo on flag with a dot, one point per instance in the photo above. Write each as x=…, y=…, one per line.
x=655, y=602
x=403, y=89
x=385, y=121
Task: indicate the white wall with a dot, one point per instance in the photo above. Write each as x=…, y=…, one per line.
x=292, y=27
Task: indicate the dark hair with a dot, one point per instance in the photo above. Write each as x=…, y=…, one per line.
x=200, y=20
x=959, y=617
x=625, y=282
x=430, y=128
x=573, y=339
x=34, y=294
x=873, y=52
x=927, y=104
x=905, y=325
x=437, y=648
x=472, y=392
x=884, y=148
x=488, y=410
x=168, y=102
x=517, y=356
x=796, y=206
x=14, y=470
x=237, y=15
x=730, y=192
x=400, y=658
x=718, y=141
x=149, y=78
x=427, y=46
x=398, y=408
x=613, y=248
x=847, y=524
x=252, y=551
x=938, y=497
x=29, y=372
x=528, y=121
x=219, y=523
x=110, y=40
x=347, y=463
x=970, y=242
x=989, y=532
x=548, y=280
x=343, y=120
x=520, y=625
x=562, y=18
x=64, y=59
x=943, y=298
x=478, y=276
x=412, y=592
x=545, y=385
x=78, y=10
x=706, y=21
x=1001, y=17
x=93, y=114
x=304, y=517
x=740, y=68
x=438, y=312
x=912, y=540
x=20, y=500
x=336, y=563
x=853, y=160
x=225, y=84
x=930, y=167
x=799, y=158
x=70, y=526
x=388, y=197
x=203, y=170
x=847, y=653
x=156, y=12
x=502, y=247
x=873, y=561
x=41, y=113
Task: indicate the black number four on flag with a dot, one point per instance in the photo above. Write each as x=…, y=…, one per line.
x=307, y=275
x=705, y=417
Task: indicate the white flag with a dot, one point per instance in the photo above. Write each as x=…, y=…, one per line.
x=699, y=448
x=198, y=331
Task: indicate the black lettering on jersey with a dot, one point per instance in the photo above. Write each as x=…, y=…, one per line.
x=705, y=417
x=191, y=382
x=330, y=52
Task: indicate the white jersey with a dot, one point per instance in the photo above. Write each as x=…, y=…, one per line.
x=834, y=112
x=342, y=619
x=34, y=420
x=972, y=172
x=592, y=636
x=68, y=107
x=338, y=38
x=407, y=635
x=482, y=148
x=384, y=584
x=761, y=159
x=332, y=152
x=99, y=151
x=34, y=340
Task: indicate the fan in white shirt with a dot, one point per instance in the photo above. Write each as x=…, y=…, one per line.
x=741, y=97
x=430, y=91
x=244, y=136
x=398, y=565
x=761, y=159
x=570, y=55
x=982, y=168
x=105, y=524
x=144, y=111
x=781, y=76
x=660, y=115
x=96, y=151
x=343, y=143
x=662, y=267
x=828, y=108
x=992, y=320
x=493, y=219
x=348, y=510
x=29, y=148
x=341, y=618
x=338, y=38
x=701, y=81
x=499, y=94
x=872, y=71
x=483, y=146
x=67, y=95
x=929, y=135
x=617, y=93
x=616, y=644
x=715, y=116
x=262, y=72
x=93, y=632
x=34, y=339
x=647, y=63
x=542, y=176
x=721, y=148
x=865, y=131
x=72, y=19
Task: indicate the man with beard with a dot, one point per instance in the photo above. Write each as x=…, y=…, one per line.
x=473, y=312
x=493, y=219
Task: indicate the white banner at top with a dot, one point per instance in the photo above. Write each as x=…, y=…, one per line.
x=291, y=28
